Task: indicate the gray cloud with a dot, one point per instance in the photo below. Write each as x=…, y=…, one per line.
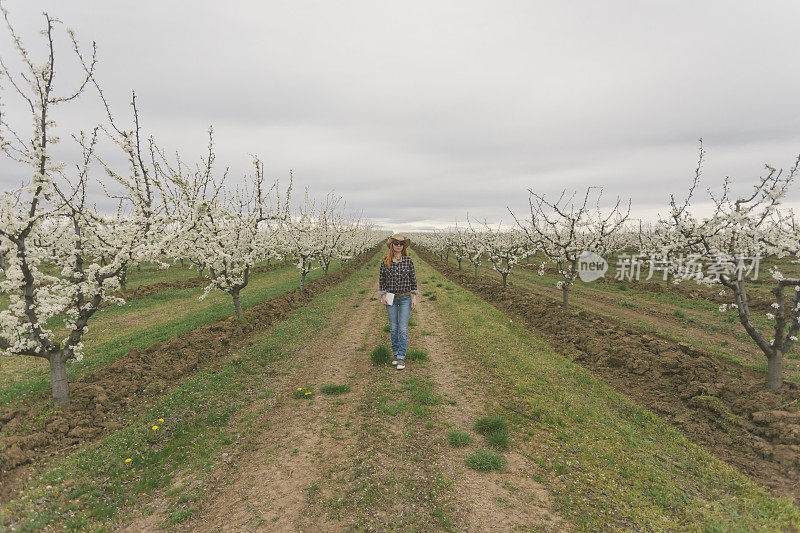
x=419, y=112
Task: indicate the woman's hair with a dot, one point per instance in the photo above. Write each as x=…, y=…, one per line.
x=387, y=259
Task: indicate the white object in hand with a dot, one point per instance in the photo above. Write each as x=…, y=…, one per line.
x=389, y=298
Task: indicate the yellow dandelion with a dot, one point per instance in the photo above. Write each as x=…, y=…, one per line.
x=308, y=393
x=160, y=419
x=155, y=428
x=299, y=388
x=128, y=460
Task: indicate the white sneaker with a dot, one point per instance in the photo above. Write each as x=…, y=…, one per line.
x=394, y=361
x=401, y=364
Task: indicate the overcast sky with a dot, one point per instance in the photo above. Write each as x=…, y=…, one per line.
x=419, y=112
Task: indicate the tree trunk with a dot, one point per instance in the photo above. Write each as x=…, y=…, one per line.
x=58, y=380
x=476, y=270
x=123, y=279
x=459, y=263
x=302, y=281
x=565, y=294
x=237, y=304
x=775, y=370
x=505, y=276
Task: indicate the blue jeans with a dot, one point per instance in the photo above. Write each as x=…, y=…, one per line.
x=399, y=313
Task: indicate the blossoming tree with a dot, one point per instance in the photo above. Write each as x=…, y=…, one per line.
x=54, y=237
x=564, y=229
x=227, y=232
x=741, y=229
x=505, y=248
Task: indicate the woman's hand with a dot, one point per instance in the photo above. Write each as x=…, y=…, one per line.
x=383, y=299
x=413, y=301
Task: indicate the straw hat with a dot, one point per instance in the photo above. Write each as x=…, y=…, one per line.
x=398, y=237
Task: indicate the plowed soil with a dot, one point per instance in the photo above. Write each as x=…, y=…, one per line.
x=688, y=324
x=100, y=400
x=718, y=404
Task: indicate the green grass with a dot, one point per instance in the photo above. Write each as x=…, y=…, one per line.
x=416, y=354
x=459, y=439
x=381, y=355
x=421, y=391
x=495, y=429
x=330, y=388
x=498, y=439
x=203, y=417
x=610, y=464
x=485, y=461
x=490, y=424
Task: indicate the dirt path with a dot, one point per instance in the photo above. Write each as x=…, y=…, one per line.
x=499, y=501
x=268, y=481
x=367, y=460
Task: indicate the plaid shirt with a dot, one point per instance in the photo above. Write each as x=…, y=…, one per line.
x=398, y=278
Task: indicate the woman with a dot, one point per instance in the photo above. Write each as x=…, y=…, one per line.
x=397, y=277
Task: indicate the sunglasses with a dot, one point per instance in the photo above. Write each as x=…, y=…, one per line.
x=401, y=243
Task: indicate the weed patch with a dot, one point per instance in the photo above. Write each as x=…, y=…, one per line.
x=490, y=424
x=458, y=439
x=415, y=354
x=381, y=355
x=485, y=461
x=329, y=388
